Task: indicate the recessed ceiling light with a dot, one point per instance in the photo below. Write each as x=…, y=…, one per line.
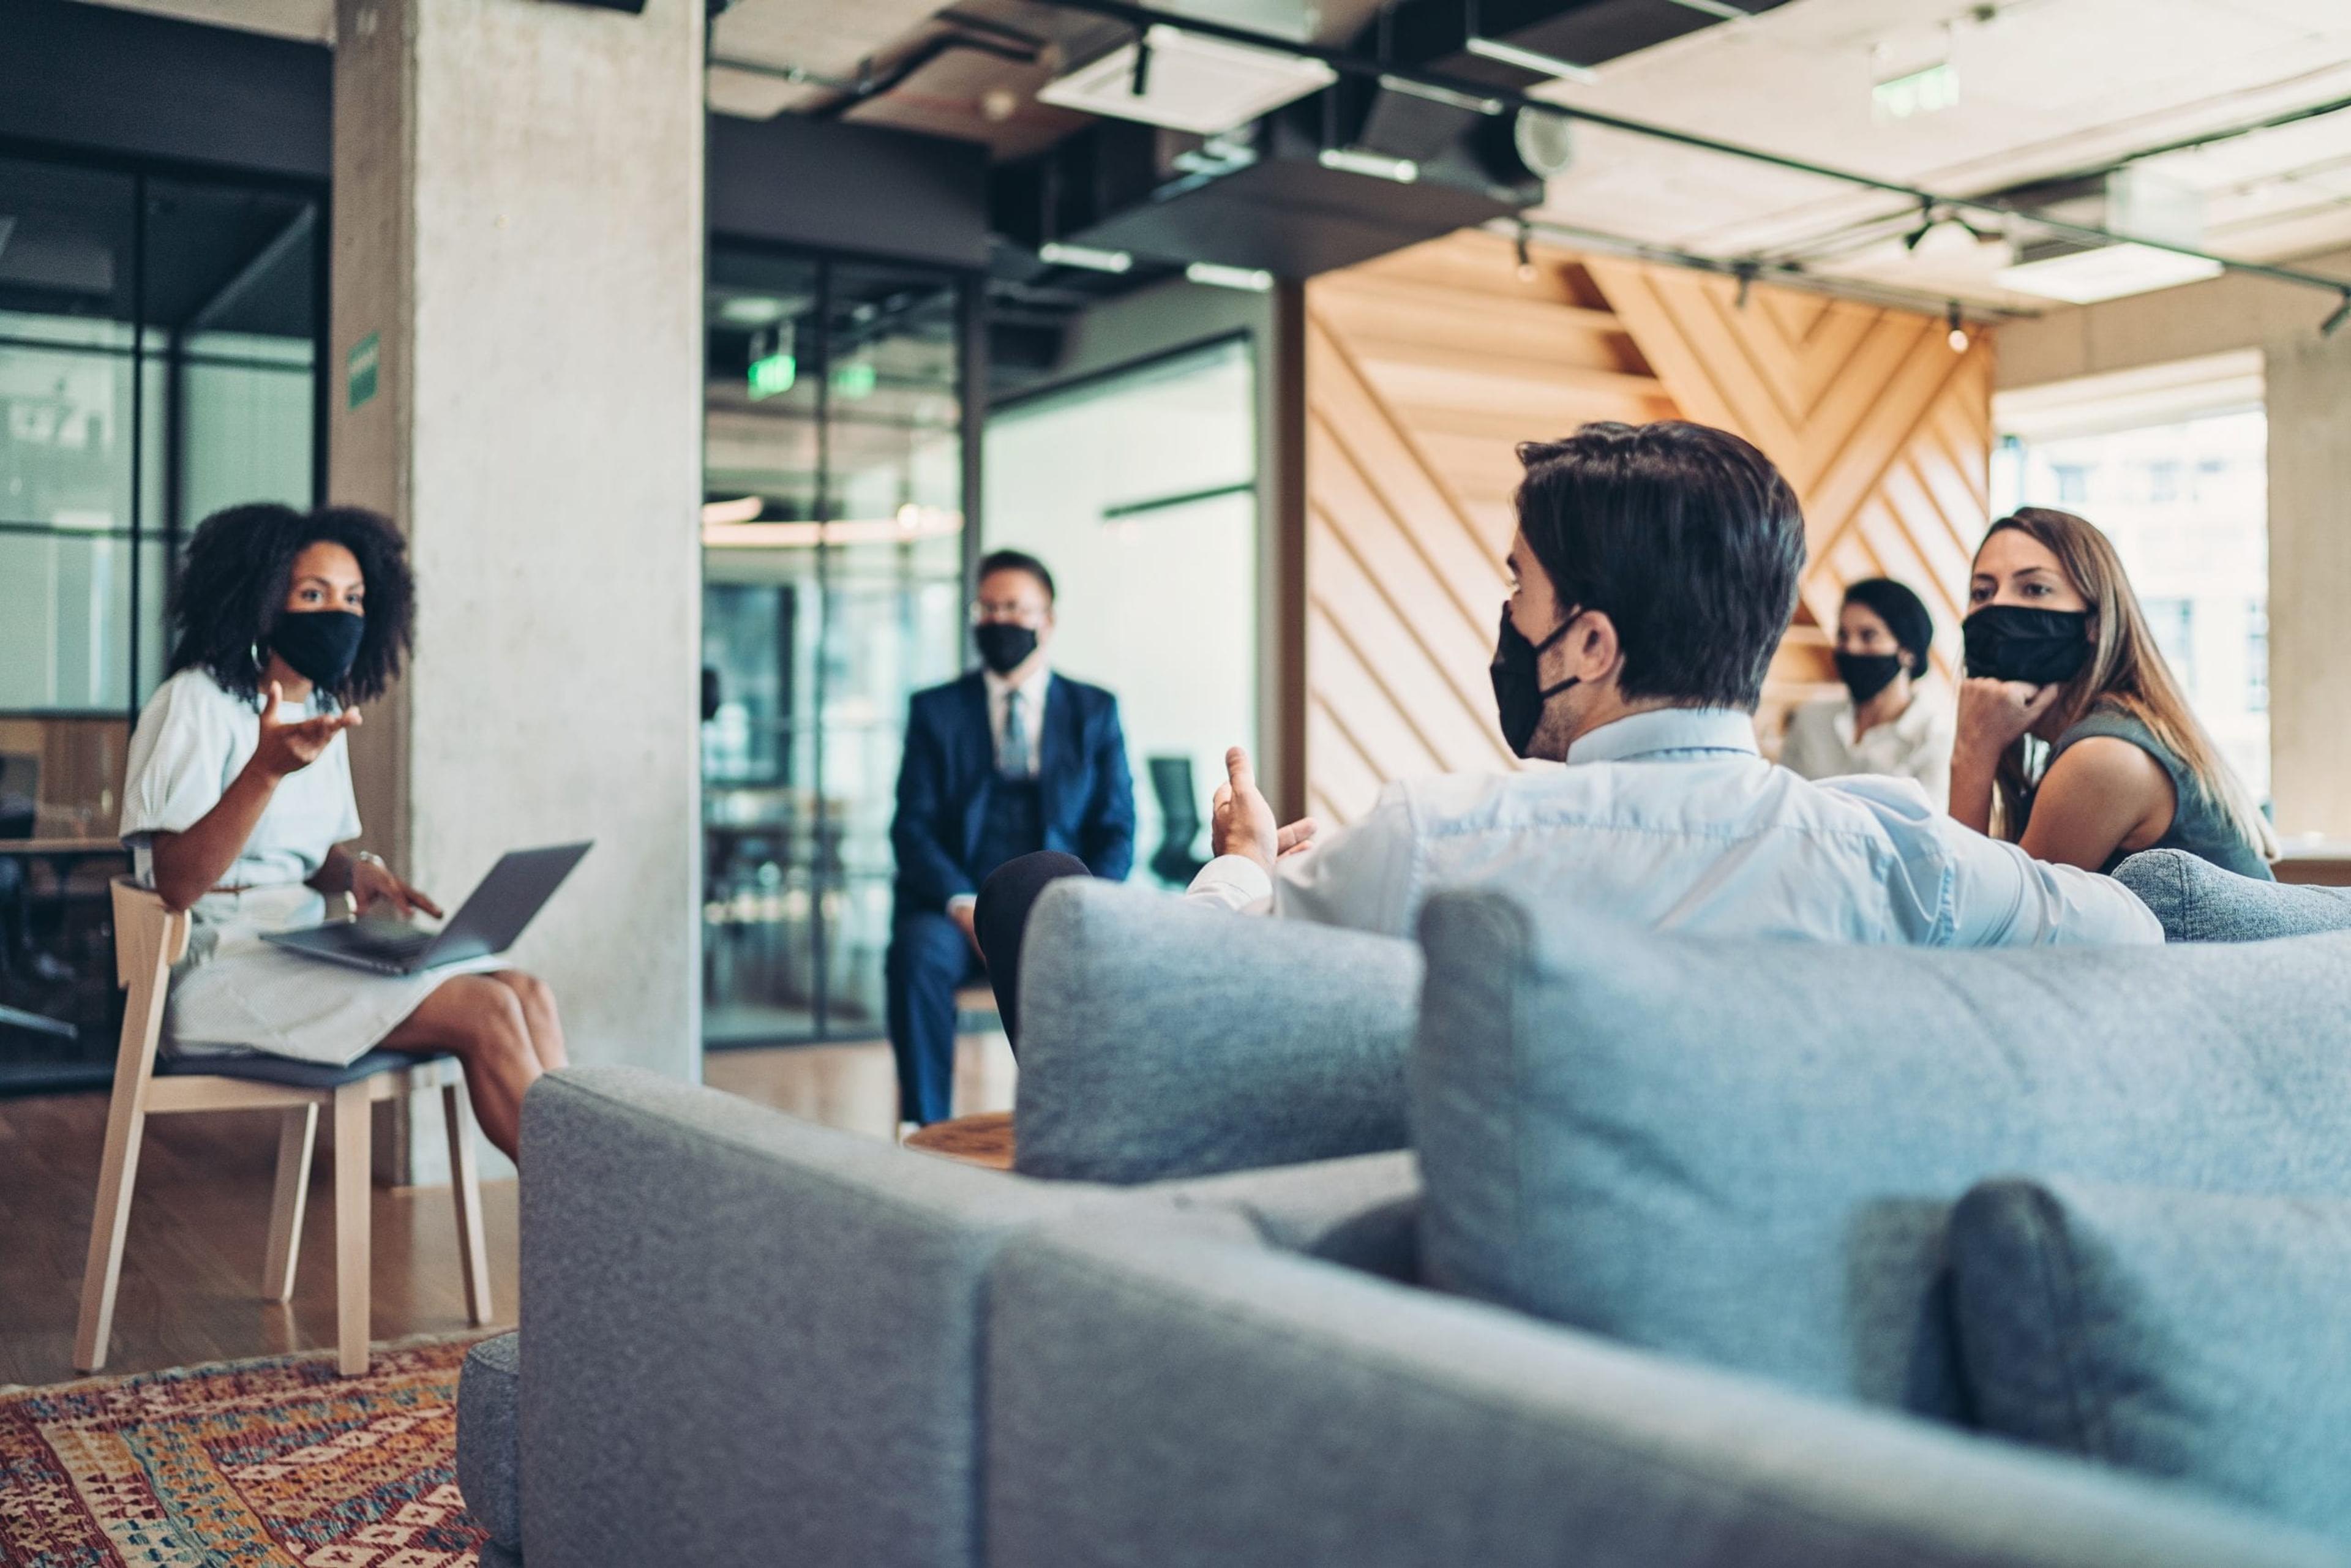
x=1255, y=280
x=2084, y=276
x=751, y=310
x=1186, y=82
x=1092, y=257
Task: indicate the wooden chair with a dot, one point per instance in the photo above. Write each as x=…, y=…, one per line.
x=149, y=939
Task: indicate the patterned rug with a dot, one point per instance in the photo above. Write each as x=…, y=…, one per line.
x=276, y=1461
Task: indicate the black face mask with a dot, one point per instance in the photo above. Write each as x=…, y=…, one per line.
x=1002, y=645
x=2016, y=642
x=319, y=643
x=1866, y=675
x=1518, y=691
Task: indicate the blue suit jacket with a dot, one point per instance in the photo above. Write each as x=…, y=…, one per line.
x=949, y=766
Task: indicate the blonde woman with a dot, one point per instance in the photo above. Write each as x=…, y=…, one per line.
x=2074, y=740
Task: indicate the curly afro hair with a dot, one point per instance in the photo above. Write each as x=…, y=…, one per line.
x=233, y=576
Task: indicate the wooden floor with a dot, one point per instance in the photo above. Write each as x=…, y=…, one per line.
x=192, y=1267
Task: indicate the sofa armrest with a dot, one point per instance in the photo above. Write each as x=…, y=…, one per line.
x=2196, y=901
x=736, y=1321
x=1160, y=1040
x=1168, y=1394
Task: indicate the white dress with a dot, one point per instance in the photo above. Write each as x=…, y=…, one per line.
x=234, y=992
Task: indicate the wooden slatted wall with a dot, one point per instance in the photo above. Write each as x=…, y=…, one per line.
x=1425, y=368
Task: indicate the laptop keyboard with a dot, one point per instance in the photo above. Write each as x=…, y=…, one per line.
x=392, y=944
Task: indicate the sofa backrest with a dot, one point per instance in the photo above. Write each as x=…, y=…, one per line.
x=1176, y=1391
x=1160, y=1040
x=2199, y=902
x=1746, y=1152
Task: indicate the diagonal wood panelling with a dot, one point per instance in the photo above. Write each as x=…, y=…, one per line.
x=1424, y=371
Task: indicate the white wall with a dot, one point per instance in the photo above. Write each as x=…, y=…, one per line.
x=1161, y=606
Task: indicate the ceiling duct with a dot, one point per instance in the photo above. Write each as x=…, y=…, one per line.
x=2132, y=202
x=1300, y=191
x=1366, y=164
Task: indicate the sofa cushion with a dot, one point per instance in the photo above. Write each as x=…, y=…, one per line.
x=2194, y=1335
x=1160, y=1040
x=2198, y=902
x=1362, y=1213
x=1747, y=1151
x=1175, y=1391
x=490, y=1437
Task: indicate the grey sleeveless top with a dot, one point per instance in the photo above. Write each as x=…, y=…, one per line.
x=2199, y=824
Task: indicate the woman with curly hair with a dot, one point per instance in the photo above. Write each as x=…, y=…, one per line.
x=238, y=804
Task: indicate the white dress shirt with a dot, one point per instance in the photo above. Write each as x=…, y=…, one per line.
x=1671, y=820
x=1916, y=744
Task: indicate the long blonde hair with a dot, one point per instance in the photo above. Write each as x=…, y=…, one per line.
x=2126, y=671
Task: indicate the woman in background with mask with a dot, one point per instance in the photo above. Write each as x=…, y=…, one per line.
x=1893, y=720
x=2075, y=741
x=239, y=803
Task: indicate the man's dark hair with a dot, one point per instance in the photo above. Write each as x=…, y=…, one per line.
x=232, y=584
x=1902, y=610
x=1685, y=537
x=1015, y=560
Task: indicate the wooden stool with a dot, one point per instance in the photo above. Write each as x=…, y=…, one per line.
x=982, y=1140
x=149, y=939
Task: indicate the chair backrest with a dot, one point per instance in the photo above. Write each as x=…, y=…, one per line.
x=150, y=936
x=149, y=939
x=1179, y=808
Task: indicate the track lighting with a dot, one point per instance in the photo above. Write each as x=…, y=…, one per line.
x=1959, y=329
x=1526, y=261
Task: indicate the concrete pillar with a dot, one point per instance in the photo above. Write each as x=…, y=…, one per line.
x=516, y=378
x=2309, y=396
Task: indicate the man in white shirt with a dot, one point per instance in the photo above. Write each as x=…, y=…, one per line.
x=1654, y=570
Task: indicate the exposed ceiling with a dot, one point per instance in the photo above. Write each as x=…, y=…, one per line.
x=2046, y=88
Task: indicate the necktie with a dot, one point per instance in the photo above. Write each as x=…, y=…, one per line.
x=1012, y=752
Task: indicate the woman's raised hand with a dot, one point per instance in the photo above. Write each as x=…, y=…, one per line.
x=289, y=747
x=1992, y=713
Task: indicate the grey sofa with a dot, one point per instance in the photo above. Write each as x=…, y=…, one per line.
x=746, y=1340
x=749, y=1340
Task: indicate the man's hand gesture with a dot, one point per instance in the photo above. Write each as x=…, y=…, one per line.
x=1242, y=822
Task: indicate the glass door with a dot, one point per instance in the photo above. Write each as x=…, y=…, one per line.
x=834, y=563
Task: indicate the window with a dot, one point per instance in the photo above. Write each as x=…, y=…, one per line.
x=2257, y=657
x=2073, y=484
x=2173, y=621
x=835, y=468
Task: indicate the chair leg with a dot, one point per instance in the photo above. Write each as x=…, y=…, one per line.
x=466, y=1186
x=297, y=1133
x=126, y=1129
x=352, y=1131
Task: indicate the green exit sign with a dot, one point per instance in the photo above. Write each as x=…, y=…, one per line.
x=773, y=376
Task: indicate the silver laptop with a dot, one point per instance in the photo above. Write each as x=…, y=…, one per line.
x=518, y=887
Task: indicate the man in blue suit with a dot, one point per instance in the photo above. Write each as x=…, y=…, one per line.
x=1011, y=759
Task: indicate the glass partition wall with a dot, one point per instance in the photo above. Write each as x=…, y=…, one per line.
x=158, y=354
x=835, y=471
